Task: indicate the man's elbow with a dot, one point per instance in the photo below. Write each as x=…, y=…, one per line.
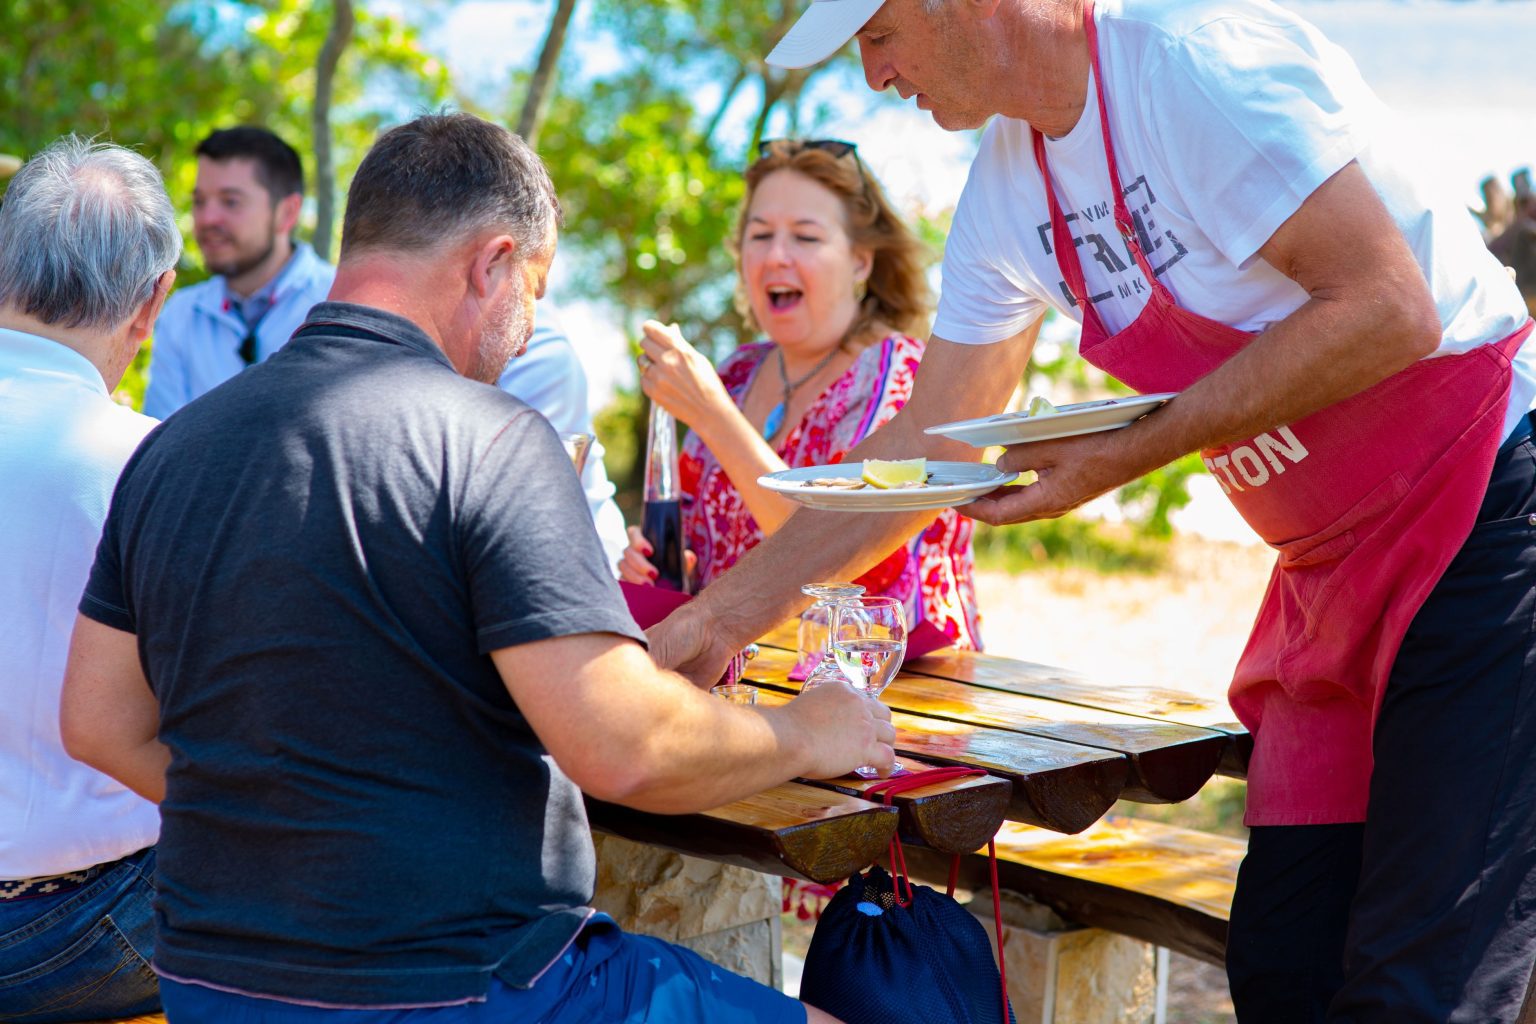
x=83, y=741
x=636, y=782
x=1423, y=332
x=1415, y=322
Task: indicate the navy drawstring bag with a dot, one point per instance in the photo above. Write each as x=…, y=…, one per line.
x=889, y=952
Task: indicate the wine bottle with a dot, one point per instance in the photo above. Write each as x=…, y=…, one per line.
x=661, y=520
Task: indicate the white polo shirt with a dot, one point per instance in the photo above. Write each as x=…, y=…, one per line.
x=63, y=442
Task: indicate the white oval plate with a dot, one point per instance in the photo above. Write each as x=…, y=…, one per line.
x=1067, y=421
x=949, y=484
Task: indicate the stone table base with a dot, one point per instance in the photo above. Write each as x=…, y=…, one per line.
x=728, y=915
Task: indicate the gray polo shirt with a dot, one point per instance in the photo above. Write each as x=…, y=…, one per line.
x=317, y=557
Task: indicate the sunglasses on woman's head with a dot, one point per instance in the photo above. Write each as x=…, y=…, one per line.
x=836, y=147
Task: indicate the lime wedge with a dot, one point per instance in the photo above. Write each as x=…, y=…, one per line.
x=1040, y=406
x=900, y=473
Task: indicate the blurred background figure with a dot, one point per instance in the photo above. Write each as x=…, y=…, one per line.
x=245, y=207
x=88, y=247
x=832, y=276
x=1515, y=246
x=1498, y=208
x=549, y=377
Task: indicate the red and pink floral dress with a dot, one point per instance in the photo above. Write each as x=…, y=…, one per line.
x=931, y=573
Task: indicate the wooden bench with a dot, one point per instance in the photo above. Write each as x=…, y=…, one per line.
x=1159, y=883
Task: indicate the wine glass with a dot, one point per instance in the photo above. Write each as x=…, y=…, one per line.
x=576, y=446
x=816, y=623
x=869, y=641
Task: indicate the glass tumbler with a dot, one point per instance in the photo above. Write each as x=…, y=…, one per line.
x=816, y=622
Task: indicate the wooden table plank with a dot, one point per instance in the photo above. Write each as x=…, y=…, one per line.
x=1155, y=702
x=1168, y=762
x=953, y=816
x=792, y=829
x=1035, y=680
x=1060, y=786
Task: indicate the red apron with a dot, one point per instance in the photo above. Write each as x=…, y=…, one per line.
x=1366, y=501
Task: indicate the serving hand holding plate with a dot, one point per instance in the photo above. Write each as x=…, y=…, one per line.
x=1070, y=471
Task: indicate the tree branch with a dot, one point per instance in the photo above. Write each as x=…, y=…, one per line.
x=325, y=76
x=532, y=117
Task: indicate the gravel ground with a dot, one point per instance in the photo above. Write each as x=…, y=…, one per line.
x=1183, y=627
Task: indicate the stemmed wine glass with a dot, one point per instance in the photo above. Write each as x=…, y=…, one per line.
x=868, y=642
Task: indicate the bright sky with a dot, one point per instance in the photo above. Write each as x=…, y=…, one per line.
x=1460, y=74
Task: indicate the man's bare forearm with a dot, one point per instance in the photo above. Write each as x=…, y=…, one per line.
x=142, y=769
x=1369, y=314
x=1327, y=351
x=763, y=589
x=954, y=382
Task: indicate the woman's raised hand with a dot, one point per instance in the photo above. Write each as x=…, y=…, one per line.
x=677, y=376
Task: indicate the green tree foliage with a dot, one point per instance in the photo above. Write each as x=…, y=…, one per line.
x=648, y=160
x=648, y=208
x=648, y=163
x=158, y=75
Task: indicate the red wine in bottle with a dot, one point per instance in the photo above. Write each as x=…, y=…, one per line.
x=662, y=525
x=662, y=518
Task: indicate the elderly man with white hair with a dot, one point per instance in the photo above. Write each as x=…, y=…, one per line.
x=88, y=241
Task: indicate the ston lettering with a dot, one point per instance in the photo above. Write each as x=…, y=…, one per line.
x=1258, y=462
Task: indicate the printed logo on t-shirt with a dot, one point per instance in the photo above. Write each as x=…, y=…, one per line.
x=1098, y=242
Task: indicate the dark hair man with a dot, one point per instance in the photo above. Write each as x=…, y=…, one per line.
x=250, y=188
x=88, y=247
x=1213, y=191
x=381, y=651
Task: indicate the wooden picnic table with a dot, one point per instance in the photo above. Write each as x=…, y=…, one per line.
x=1058, y=749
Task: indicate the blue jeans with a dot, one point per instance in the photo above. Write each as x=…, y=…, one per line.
x=84, y=954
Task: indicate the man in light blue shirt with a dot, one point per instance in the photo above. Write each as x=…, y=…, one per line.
x=250, y=186
x=549, y=377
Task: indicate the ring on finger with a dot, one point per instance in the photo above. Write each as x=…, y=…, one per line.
x=644, y=362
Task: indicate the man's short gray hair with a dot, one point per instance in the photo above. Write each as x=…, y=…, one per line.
x=85, y=230
x=433, y=180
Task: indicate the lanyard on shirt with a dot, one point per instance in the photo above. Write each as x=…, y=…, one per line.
x=247, y=348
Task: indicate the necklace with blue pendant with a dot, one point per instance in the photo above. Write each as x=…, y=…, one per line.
x=775, y=418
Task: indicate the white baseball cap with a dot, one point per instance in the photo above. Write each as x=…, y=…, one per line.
x=821, y=31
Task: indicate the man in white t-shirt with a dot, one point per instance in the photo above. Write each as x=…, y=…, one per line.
x=1211, y=189
x=88, y=243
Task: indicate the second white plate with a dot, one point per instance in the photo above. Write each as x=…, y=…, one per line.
x=949, y=484
x=1067, y=421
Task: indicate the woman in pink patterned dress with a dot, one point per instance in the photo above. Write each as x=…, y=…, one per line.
x=836, y=281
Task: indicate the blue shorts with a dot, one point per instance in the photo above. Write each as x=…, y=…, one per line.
x=606, y=976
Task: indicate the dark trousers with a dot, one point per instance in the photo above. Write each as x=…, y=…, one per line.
x=1426, y=912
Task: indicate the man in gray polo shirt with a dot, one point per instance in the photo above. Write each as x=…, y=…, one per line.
x=351, y=624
